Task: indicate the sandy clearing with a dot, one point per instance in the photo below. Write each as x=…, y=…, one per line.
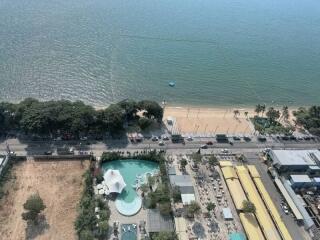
x=60, y=186
x=210, y=120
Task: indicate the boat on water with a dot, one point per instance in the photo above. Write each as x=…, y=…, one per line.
x=172, y=84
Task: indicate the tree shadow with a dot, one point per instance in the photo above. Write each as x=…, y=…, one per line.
x=34, y=230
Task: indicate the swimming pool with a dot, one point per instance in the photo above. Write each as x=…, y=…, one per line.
x=128, y=232
x=128, y=202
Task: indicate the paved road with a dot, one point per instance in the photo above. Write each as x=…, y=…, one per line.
x=295, y=231
x=37, y=147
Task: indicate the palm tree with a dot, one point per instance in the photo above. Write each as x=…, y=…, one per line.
x=236, y=113
x=263, y=108
x=285, y=113
x=258, y=109
x=246, y=114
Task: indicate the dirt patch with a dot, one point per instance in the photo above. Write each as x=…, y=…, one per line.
x=60, y=186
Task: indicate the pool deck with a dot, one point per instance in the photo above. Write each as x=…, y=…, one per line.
x=116, y=216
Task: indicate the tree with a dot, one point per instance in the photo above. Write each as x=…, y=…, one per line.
x=263, y=108
x=236, y=113
x=144, y=123
x=113, y=117
x=151, y=180
x=152, y=109
x=285, y=113
x=258, y=109
x=144, y=188
x=86, y=235
x=193, y=208
x=246, y=114
x=130, y=107
x=183, y=163
x=34, y=205
x=248, y=207
x=165, y=236
x=196, y=158
x=242, y=158
x=212, y=160
x=165, y=208
x=211, y=206
x=103, y=228
x=273, y=115
x=176, y=194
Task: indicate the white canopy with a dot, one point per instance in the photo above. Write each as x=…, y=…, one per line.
x=114, y=181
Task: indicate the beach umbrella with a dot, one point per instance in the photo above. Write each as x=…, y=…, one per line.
x=99, y=186
x=114, y=181
x=101, y=192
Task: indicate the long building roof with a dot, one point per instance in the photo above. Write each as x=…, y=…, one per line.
x=248, y=221
x=288, y=199
x=234, y=186
x=251, y=226
x=269, y=203
x=262, y=214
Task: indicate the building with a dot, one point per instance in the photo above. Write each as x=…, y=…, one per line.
x=301, y=181
x=304, y=161
x=185, y=185
x=227, y=214
x=158, y=223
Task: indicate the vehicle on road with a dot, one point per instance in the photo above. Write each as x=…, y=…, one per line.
x=154, y=138
x=47, y=153
x=189, y=138
x=225, y=150
x=205, y=146
x=161, y=143
x=165, y=137
x=209, y=143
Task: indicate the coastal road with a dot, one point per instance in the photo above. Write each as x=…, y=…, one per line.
x=39, y=147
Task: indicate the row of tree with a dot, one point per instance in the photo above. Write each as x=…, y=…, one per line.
x=74, y=118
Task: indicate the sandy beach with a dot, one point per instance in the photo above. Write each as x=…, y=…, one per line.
x=200, y=120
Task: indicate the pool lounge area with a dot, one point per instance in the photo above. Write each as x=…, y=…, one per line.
x=134, y=173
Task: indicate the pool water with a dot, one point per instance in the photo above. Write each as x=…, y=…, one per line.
x=128, y=232
x=128, y=202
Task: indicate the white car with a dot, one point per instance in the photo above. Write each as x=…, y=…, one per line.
x=154, y=138
x=165, y=137
x=225, y=150
x=189, y=138
x=161, y=143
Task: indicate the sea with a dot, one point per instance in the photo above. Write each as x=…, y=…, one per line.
x=217, y=52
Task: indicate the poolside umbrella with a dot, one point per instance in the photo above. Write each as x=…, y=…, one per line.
x=114, y=181
x=99, y=186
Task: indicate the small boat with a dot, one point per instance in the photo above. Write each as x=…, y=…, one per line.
x=172, y=84
x=123, y=229
x=129, y=228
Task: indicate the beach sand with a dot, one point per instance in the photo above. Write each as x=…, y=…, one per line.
x=199, y=120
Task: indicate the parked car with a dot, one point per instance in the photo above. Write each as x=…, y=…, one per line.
x=209, y=143
x=48, y=153
x=154, y=138
x=165, y=137
x=205, y=146
x=225, y=150
x=189, y=138
x=161, y=143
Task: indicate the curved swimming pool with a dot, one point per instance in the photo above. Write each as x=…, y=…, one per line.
x=128, y=203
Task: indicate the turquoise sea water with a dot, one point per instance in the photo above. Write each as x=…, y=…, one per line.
x=219, y=52
x=129, y=169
